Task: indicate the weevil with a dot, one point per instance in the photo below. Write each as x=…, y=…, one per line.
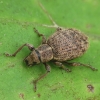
x=64, y=45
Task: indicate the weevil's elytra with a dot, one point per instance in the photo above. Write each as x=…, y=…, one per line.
x=68, y=44
x=64, y=45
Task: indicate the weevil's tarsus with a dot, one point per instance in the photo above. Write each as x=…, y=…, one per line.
x=26, y=44
x=81, y=64
x=35, y=81
x=42, y=76
x=39, y=34
x=54, y=23
x=62, y=66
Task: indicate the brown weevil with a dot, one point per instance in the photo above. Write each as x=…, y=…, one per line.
x=62, y=46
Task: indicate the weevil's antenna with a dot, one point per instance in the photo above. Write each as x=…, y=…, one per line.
x=54, y=23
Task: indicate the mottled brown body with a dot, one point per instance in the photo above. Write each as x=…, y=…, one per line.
x=67, y=44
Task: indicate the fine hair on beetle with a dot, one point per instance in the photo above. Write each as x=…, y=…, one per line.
x=61, y=47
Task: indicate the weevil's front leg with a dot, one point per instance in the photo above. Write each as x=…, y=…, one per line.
x=80, y=64
x=62, y=66
x=39, y=34
x=14, y=54
x=42, y=76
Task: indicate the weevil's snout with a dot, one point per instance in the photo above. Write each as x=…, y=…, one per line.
x=32, y=59
x=29, y=63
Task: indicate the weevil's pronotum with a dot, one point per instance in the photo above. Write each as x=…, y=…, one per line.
x=64, y=45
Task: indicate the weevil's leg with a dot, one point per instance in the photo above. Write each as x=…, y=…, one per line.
x=62, y=66
x=81, y=64
x=14, y=54
x=54, y=23
x=42, y=76
x=39, y=34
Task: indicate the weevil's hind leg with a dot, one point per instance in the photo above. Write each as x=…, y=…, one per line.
x=51, y=19
x=39, y=34
x=80, y=64
x=62, y=66
x=47, y=67
x=14, y=54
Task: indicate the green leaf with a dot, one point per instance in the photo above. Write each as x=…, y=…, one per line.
x=17, y=19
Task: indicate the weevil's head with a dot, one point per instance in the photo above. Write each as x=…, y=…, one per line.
x=33, y=58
